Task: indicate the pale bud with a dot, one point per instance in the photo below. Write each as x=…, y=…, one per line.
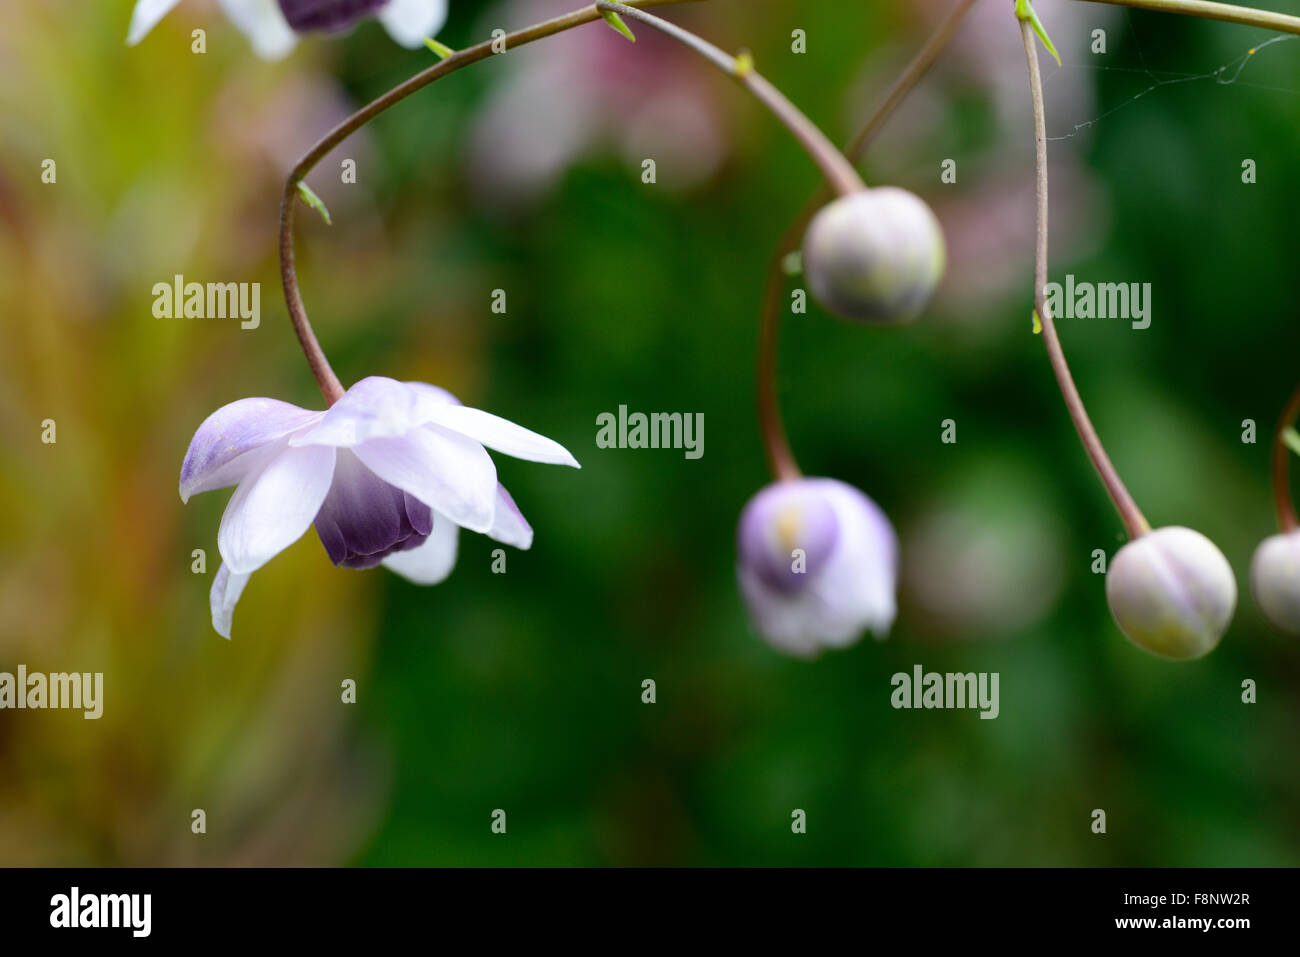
x=1275, y=580
x=1172, y=592
x=876, y=255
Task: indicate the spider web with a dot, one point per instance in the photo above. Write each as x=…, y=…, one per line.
x=1226, y=74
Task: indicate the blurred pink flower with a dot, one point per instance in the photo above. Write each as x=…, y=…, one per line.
x=593, y=90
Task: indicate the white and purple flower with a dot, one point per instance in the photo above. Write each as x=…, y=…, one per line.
x=273, y=25
x=818, y=562
x=389, y=474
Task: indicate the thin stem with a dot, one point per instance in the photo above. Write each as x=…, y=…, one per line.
x=1133, y=518
x=911, y=75
x=1231, y=13
x=1286, y=516
x=833, y=163
x=329, y=384
x=776, y=443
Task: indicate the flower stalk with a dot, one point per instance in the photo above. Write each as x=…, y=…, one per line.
x=1282, y=450
x=1134, y=521
x=330, y=386
x=776, y=443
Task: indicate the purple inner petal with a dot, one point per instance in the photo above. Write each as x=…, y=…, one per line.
x=328, y=15
x=778, y=523
x=364, y=519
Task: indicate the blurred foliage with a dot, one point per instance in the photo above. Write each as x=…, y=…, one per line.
x=523, y=691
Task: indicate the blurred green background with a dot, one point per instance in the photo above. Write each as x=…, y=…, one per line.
x=522, y=691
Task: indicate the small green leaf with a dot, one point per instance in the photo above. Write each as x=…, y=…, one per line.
x=441, y=49
x=1025, y=11
x=314, y=201
x=1292, y=439
x=615, y=21
x=1038, y=323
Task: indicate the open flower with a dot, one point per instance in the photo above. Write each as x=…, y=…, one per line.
x=818, y=564
x=272, y=25
x=388, y=475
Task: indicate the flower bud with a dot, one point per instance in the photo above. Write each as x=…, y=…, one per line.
x=1172, y=592
x=817, y=565
x=1275, y=580
x=876, y=255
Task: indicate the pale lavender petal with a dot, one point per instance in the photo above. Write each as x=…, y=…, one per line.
x=508, y=524
x=226, y=589
x=503, y=435
x=448, y=472
x=433, y=560
x=409, y=22
x=145, y=17
x=375, y=408
x=219, y=452
x=273, y=508
x=364, y=518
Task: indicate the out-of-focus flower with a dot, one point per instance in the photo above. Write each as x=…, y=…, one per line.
x=594, y=90
x=1275, y=580
x=818, y=562
x=272, y=25
x=875, y=255
x=388, y=474
x=1172, y=592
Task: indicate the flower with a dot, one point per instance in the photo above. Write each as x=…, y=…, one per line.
x=1172, y=593
x=1275, y=580
x=272, y=24
x=817, y=564
x=388, y=475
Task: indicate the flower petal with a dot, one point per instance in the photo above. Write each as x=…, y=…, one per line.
x=410, y=22
x=503, y=435
x=273, y=508
x=263, y=23
x=145, y=17
x=432, y=561
x=508, y=524
x=226, y=589
x=446, y=471
x=219, y=452
x=375, y=408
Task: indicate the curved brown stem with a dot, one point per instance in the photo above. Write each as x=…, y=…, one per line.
x=838, y=170
x=776, y=443
x=1286, y=516
x=329, y=384
x=1134, y=520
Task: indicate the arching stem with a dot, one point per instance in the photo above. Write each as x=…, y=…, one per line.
x=776, y=443
x=1133, y=518
x=1228, y=12
x=1282, y=452
x=330, y=386
x=824, y=153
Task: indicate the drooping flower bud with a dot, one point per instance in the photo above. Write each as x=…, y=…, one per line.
x=817, y=565
x=1275, y=580
x=1172, y=592
x=876, y=255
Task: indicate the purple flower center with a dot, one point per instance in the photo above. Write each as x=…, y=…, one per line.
x=364, y=519
x=787, y=533
x=328, y=15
